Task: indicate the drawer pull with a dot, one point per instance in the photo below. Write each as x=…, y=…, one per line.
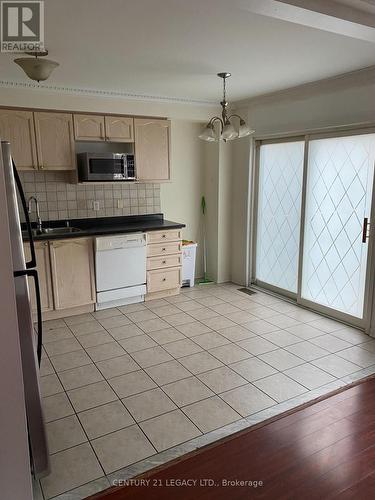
x=164, y=279
x=164, y=262
x=163, y=249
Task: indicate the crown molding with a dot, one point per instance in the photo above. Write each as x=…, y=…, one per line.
x=102, y=93
x=357, y=78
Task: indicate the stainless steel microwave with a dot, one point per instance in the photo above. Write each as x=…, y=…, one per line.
x=102, y=167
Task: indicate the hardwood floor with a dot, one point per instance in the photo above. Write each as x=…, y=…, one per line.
x=325, y=450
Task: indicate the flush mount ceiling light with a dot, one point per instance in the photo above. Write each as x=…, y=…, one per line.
x=36, y=68
x=227, y=130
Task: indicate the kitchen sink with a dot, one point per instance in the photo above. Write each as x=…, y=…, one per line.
x=52, y=231
x=60, y=230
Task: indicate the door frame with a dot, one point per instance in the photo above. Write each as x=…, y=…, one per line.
x=367, y=323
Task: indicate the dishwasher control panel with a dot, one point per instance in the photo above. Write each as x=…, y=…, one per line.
x=114, y=242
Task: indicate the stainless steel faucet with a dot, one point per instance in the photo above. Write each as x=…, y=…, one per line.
x=38, y=219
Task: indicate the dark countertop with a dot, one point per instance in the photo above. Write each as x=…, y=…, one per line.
x=103, y=226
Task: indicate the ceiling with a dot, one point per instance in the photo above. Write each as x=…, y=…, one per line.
x=174, y=48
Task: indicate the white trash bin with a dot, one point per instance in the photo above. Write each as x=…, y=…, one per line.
x=189, y=251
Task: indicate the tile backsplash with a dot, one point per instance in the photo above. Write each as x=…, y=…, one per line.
x=60, y=199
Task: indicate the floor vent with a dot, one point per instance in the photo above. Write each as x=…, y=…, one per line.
x=247, y=291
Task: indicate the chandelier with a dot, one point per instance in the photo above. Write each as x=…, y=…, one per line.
x=35, y=68
x=227, y=131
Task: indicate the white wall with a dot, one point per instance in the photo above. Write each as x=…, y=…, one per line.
x=180, y=199
x=211, y=193
x=224, y=212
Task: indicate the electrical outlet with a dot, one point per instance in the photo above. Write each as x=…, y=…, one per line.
x=96, y=205
x=120, y=203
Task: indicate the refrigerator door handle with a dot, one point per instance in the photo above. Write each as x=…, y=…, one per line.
x=32, y=262
x=33, y=273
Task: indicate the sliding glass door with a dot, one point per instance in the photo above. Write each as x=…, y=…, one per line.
x=314, y=203
x=279, y=214
x=338, y=202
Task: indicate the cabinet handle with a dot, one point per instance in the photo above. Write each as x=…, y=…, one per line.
x=45, y=244
x=164, y=262
x=163, y=249
x=164, y=236
x=164, y=279
x=41, y=167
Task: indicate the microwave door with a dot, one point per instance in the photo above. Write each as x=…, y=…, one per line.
x=28, y=341
x=107, y=169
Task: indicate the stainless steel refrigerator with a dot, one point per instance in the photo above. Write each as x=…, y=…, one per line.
x=30, y=338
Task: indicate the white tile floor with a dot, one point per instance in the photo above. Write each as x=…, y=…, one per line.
x=161, y=378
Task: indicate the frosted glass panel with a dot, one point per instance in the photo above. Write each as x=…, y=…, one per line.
x=339, y=188
x=279, y=214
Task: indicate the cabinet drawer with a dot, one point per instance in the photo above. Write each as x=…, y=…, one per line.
x=161, y=236
x=162, y=262
x=163, y=279
x=164, y=248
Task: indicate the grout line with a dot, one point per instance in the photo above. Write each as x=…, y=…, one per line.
x=188, y=297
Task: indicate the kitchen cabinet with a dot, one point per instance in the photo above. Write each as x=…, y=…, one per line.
x=89, y=128
x=152, y=149
x=44, y=273
x=55, y=141
x=159, y=280
x=72, y=268
x=103, y=128
x=119, y=128
x=164, y=259
x=17, y=127
x=44, y=140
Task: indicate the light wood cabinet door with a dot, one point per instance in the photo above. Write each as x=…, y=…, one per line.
x=89, y=128
x=17, y=127
x=55, y=141
x=119, y=128
x=72, y=265
x=44, y=274
x=152, y=149
x=162, y=236
x=163, y=279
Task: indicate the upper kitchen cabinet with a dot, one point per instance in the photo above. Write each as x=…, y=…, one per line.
x=152, y=149
x=17, y=127
x=103, y=128
x=55, y=141
x=119, y=128
x=89, y=128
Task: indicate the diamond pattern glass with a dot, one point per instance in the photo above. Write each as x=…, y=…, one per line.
x=279, y=214
x=338, y=197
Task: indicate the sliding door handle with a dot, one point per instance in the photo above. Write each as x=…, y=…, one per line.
x=365, y=230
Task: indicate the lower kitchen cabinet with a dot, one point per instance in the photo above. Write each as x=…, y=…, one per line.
x=164, y=258
x=44, y=273
x=163, y=279
x=72, y=272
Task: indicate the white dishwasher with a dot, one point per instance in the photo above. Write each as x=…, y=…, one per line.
x=120, y=262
